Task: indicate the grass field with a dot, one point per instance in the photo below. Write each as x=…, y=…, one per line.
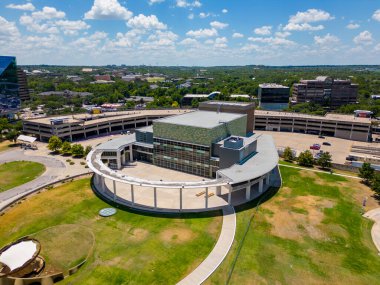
x=16, y=173
x=130, y=248
x=5, y=145
x=310, y=232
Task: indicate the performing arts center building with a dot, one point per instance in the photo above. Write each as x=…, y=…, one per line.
x=231, y=164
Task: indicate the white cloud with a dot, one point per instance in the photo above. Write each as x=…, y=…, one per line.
x=202, y=33
x=108, y=9
x=191, y=16
x=377, y=47
x=237, y=35
x=163, y=38
x=326, y=40
x=203, y=15
x=352, y=26
x=250, y=47
x=35, y=25
x=272, y=41
x=186, y=4
x=48, y=13
x=224, y=11
x=302, y=27
x=23, y=7
x=189, y=42
x=220, y=42
x=128, y=39
x=310, y=16
x=89, y=43
x=218, y=25
x=146, y=23
x=376, y=15
x=282, y=34
x=364, y=38
x=152, y=2
x=263, y=31
x=72, y=27
x=8, y=29
x=301, y=21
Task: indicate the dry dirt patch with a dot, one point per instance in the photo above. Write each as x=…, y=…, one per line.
x=177, y=235
x=138, y=235
x=294, y=225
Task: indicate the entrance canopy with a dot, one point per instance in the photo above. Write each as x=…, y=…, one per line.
x=26, y=139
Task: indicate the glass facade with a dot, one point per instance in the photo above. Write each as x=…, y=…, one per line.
x=185, y=157
x=9, y=88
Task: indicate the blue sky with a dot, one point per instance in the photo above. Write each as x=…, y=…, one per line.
x=191, y=32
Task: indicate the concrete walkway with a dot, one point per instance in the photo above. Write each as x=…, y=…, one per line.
x=319, y=171
x=219, y=252
x=375, y=231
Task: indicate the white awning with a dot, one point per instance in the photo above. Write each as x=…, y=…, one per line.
x=26, y=139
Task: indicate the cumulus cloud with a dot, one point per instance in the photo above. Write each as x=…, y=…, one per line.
x=8, y=29
x=220, y=42
x=163, y=38
x=152, y=2
x=189, y=42
x=352, y=26
x=72, y=27
x=301, y=21
x=202, y=33
x=23, y=7
x=48, y=13
x=224, y=11
x=186, y=4
x=263, y=31
x=364, y=38
x=237, y=35
x=108, y=9
x=282, y=34
x=272, y=41
x=35, y=25
x=191, y=16
x=203, y=15
x=218, y=25
x=146, y=23
x=310, y=16
x=326, y=40
x=376, y=15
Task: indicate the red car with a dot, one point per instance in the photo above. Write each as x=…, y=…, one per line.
x=315, y=146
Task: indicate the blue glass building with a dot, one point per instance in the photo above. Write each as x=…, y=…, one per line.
x=9, y=87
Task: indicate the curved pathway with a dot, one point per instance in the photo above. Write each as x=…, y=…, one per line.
x=219, y=252
x=375, y=231
x=55, y=170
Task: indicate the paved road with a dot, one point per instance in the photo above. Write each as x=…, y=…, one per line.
x=320, y=171
x=55, y=170
x=219, y=252
x=375, y=231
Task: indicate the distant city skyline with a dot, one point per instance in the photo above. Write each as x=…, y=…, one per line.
x=190, y=32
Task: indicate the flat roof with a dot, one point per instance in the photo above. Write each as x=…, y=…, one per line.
x=258, y=165
x=327, y=117
x=104, y=117
x=115, y=144
x=227, y=103
x=196, y=96
x=147, y=129
x=201, y=119
x=272, y=85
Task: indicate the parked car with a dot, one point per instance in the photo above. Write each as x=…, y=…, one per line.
x=326, y=143
x=315, y=147
x=321, y=137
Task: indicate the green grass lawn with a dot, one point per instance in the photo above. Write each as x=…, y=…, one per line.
x=310, y=232
x=16, y=173
x=130, y=248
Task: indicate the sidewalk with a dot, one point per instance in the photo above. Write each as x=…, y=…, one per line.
x=375, y=231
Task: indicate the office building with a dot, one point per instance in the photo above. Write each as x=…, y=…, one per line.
x=325, y=91
x=23, y=90
x=9, y=88
x=273, y=96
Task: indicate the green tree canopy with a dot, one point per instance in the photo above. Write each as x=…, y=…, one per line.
x=306, y=159
x=77, y=150
x=325, y=160
x=55, y=143
x=366, y=172
x=288, y=154
x=66, y=148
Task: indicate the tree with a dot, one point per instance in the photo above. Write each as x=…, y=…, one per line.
x=324, y=160
x=288, y=154
x=87, y=150
x=77, y=150
x=306, y=159
x=375, y=184
x=12, y=135
x=66, y=148
x=366, y=172
x=55, y=143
